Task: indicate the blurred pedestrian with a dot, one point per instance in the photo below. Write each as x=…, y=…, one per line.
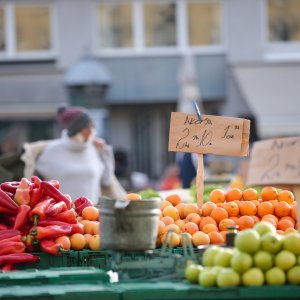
x=170, y=179
x=80, y=161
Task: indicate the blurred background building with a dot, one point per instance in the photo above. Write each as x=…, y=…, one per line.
x=121, y=60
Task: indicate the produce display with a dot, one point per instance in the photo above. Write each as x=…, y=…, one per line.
x=36, y=216
x=260, y=256
x=235, y=207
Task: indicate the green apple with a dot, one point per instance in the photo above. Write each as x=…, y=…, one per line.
x=271, y=242
x=291, y=242
x=228, y=277
x=208, y=278
x=264, y=227
x=223, y=257
x=293, y=275
x=209, y=255
x=247, y=241
x=192, y=272
x=275, y=276
x=285, y=260
x=253, y=277
x=263, y=260
x=241, y=261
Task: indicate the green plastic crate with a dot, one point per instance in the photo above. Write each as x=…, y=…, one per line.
x=65, y=259
x=54, y=276
x=60, y=292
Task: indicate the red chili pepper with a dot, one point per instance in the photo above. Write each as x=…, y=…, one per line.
x=8, y=268
x=36, y=192
x=12, y=247
x=68, y=216
x=50, y=190
x=56, y=209
x=76, y=228
x=49, y=246
x=81, y=203
x=30, y=243
x=22, y=216
x=8, y=234
x=7, y=203
x=50, y=232
x=55, y=183
x=16, y=258
x=3, y=227
x=10, y=187
x=16, y=238
x=39, y=211
x=22, y=195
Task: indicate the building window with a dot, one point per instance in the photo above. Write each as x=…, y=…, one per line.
x=204, y=23
x=160, y=24
x=26, y=32
x=2, y=30
x=283, y=20
x=115, y=25
x=33, y=30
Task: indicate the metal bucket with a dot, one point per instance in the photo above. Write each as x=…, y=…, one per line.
x=129, y=225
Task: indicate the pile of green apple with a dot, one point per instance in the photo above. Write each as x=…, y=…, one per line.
x=260, y=256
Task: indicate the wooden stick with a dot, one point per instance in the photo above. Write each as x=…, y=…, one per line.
x=200, y=180
x=297, y=197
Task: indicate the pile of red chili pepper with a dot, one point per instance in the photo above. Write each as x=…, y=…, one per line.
x=33, y=213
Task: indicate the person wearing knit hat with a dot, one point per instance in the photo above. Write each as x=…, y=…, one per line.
x=80, y=161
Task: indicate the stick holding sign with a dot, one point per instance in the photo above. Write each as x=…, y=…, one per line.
x=212, y=135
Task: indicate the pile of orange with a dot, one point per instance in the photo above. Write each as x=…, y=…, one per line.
x=209, y=224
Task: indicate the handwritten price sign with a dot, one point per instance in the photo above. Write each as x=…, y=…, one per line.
x=275, y=161
x=214, y=135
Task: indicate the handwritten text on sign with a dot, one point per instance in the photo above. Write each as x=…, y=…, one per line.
x=275, y=161
x=214, y=134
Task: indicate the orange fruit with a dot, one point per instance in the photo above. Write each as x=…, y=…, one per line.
x=200, y=238
x=193, y=217
x=87, y=237
x=245, y=222
x=248, y=208
x=164, y=203
x=83, y=222
x=191, y=208
x=281, y=232
x=217, y=196
x=289, y=218
x=94, y=242
x=294, y=212
x=78, y=241
x=218, y=214
x=235, y=219
x=133, y=197
x=256, y=202
x=158, y=241
x=255, y=218
x=173, y=227
x=180, y=223
x=223, y=225
x=190, y=228
x=269, y=193
x=64, y=241
x=270, y=220
x=90, y=213
x=265, y=208
x=234, y=194
x=223, y=233
x=171, y=239
x=181, y=207
x=91, y=227
x=209, y=228
x=161, y=227
x=290, y=230
x=171, y=211
x=286, y=196
x=207, y=208
x=206, y=220
x=270, y=216
x=232, y=208
x=216, y=238
x=167, y=220
x=175, y=199
x=250, y=194
x=184, y=238
x=282, y=209
x=284, y=225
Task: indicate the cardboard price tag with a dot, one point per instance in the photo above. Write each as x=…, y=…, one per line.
x=213, y=134
x=275, y=161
